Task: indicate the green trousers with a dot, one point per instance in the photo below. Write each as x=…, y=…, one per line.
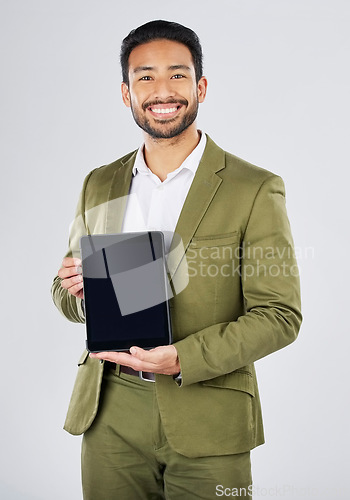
x=126, y=456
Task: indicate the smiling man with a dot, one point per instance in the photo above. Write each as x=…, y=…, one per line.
x=179, y=421
x=170, y=116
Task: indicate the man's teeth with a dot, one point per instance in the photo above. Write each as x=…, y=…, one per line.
x=164, y=110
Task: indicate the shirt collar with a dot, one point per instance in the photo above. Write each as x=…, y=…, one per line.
x=191, y=162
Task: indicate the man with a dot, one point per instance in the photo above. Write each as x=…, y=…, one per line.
x=189, y=434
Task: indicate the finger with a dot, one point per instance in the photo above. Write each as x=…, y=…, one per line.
x=73, y=289
x=138, y=352
x=71, y=261
x=125, y=359
x=147, y=360
x=76, y=290
x=71, y=281
x=67, y=272
x=152, y=356
x=121, y=358
x=80, y=294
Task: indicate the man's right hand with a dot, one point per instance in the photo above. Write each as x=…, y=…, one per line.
x=72, y=279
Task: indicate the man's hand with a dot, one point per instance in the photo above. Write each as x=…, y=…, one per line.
x=70, y=273
x=161, y=359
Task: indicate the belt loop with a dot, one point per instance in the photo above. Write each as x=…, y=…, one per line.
x=117, y=370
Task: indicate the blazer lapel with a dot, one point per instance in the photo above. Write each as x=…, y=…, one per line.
x=199, y=197
x=118, y=195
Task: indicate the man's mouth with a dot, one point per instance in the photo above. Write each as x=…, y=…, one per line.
x=164, y=110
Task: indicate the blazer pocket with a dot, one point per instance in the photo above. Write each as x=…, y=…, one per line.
x=239, y=380
x=83, y=357
x=215, y=240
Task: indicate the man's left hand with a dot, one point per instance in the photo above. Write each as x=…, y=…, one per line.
x=162, y=359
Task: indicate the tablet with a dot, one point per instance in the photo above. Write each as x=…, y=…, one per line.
x=126, y=291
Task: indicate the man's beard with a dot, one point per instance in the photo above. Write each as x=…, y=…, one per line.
x=170, y=132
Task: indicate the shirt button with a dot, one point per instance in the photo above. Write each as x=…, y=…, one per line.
x=160, y=187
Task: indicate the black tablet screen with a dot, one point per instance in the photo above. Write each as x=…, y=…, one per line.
x=125, y=291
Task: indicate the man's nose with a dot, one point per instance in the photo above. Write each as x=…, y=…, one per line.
x=163, y=89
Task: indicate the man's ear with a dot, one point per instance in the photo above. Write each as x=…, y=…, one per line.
x=202, y=86
x=125, y=94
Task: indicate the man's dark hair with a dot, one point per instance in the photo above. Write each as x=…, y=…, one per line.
x=158, y=30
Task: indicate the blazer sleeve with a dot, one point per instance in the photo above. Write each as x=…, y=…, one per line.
x=71, y=307
x=271, y=291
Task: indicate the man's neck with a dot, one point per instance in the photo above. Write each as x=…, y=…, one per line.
x=166, y=155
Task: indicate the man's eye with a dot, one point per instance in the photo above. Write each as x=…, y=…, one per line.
x=178, y=76
x=146, y=78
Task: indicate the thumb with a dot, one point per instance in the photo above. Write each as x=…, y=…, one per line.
x=134, y=351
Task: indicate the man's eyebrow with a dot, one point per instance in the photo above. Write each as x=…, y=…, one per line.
x=138, y=69
x=180, y=66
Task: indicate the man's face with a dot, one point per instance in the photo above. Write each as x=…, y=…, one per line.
x=162, y=92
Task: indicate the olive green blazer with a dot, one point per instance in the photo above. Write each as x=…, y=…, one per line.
x=238, y=300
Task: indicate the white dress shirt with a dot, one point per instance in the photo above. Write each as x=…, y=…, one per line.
x=154, y=205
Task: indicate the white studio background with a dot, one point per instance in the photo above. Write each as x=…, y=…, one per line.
x=278, y=97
